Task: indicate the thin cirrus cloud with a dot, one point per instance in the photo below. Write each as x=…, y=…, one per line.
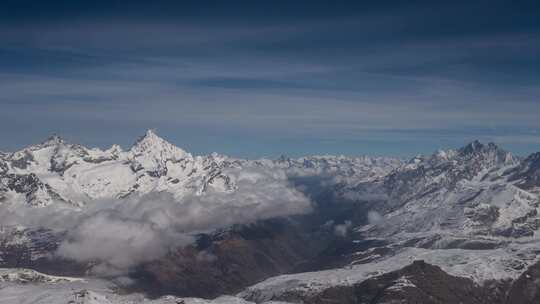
x=356, y=78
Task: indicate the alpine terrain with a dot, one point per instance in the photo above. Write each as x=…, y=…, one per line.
x=156, y=224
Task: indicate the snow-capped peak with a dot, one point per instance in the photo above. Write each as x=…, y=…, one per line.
x=53, y=140
x=489, y=152
x=150, y=142
x=473, y=146
x=152, y=153
x=476, y=147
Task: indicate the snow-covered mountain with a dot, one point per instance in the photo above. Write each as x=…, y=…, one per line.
x=470, y=214
x=466, y=191
x=473, y=212
x=341, y=168
x=75, y=175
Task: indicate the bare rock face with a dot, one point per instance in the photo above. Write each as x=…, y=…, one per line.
x=34, y=249
x=36, y=192
x=418, y=282
x=423, y=283
x=526, y=289
x=226, y=262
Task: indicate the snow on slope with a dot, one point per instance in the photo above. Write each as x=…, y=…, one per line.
x=479, y=265
x=464, y=192
x=20, y=275
x=24, y=286
x=527, y=174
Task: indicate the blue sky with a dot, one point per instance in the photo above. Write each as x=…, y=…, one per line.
x=255, y=78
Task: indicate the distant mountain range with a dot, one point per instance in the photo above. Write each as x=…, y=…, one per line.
x=457, y=226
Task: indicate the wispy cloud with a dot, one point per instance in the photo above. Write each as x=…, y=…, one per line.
x=365, y=73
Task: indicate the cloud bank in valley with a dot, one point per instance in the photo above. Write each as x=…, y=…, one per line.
x=119, y=234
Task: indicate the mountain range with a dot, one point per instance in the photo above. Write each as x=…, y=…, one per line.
x=155, y=223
